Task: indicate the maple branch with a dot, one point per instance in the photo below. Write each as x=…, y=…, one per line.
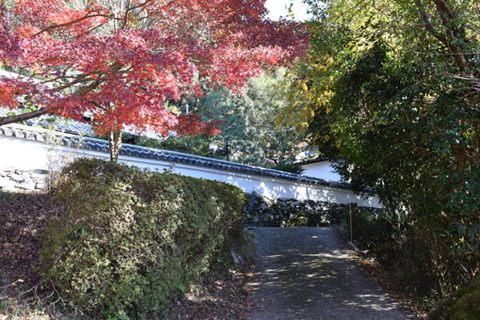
x=89, y=88
x=22, y=116
x=98, y=105
x=129, y=8
x=79, y=79
x=143, y=5
x=101, y=77
x=125, y=16
x=88, y=16
x=62, y=77
x=89, y=31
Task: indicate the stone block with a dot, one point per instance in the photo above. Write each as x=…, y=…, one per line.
x=15, y=176
x=39, y=177
x=8, y=132
x=26, y=185
x=40, y=137
x=7, y=184
x=41, y=185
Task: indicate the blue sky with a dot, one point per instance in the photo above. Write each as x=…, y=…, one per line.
x=278, y=8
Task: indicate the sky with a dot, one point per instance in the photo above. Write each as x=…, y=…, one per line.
x=278, y=8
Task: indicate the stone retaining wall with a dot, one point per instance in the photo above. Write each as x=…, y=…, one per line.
x=23, y=180
x=264, y=212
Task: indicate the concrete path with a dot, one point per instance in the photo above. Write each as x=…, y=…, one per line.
x=309, y=273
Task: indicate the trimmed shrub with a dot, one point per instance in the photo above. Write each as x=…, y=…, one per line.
x=132, y=240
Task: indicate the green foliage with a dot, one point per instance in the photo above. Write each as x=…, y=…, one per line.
x=130, y=240
x=289, y=167
x=372, y=230
x=6, y=196
x=250, y=131
x=412, y=255
x=198, y=144
x=385, y=93
x=463, y=305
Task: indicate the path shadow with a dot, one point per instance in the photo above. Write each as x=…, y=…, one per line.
x=309, y=273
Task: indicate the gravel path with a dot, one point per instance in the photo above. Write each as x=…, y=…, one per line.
x=309, y=273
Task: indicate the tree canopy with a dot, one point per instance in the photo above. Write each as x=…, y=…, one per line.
x=250, y=132
x=390, y=90
x=120, y=60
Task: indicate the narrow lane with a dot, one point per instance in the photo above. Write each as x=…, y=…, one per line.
x=309, y=274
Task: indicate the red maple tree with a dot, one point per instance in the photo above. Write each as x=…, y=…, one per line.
x=121, y=60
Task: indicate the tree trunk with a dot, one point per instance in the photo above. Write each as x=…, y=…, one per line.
x=226, y=149
x=115, y=144
x=22, y=116
x=453, y=37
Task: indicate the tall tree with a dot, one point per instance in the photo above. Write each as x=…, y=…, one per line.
x=390, y=90
x=250, y=132
x=120, y=60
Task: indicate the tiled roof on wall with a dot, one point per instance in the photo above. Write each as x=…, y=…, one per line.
x=88, y=143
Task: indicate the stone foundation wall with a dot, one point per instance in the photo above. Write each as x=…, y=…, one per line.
x=23, y=180
x=264, y=212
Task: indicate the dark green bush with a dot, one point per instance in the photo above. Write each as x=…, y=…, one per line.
x=463, y=305
x=289, y=167
x=418, y=258
x=191, y=144
x=371, y=230
x=131, y=240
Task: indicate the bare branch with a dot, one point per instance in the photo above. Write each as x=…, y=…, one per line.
x=453, y=33
x=429, y=25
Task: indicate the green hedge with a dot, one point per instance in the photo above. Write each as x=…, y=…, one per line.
x=131, y=240
x=463, y=305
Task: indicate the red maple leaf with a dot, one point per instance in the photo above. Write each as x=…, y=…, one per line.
x=122, y=62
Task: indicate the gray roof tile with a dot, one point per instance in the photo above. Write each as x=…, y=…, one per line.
x=162, y=155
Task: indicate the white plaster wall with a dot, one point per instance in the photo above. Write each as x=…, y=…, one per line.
x=22, y=154
x=322, y=170
x=25, y=154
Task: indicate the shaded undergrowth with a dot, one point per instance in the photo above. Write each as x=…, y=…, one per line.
x=23, y=216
